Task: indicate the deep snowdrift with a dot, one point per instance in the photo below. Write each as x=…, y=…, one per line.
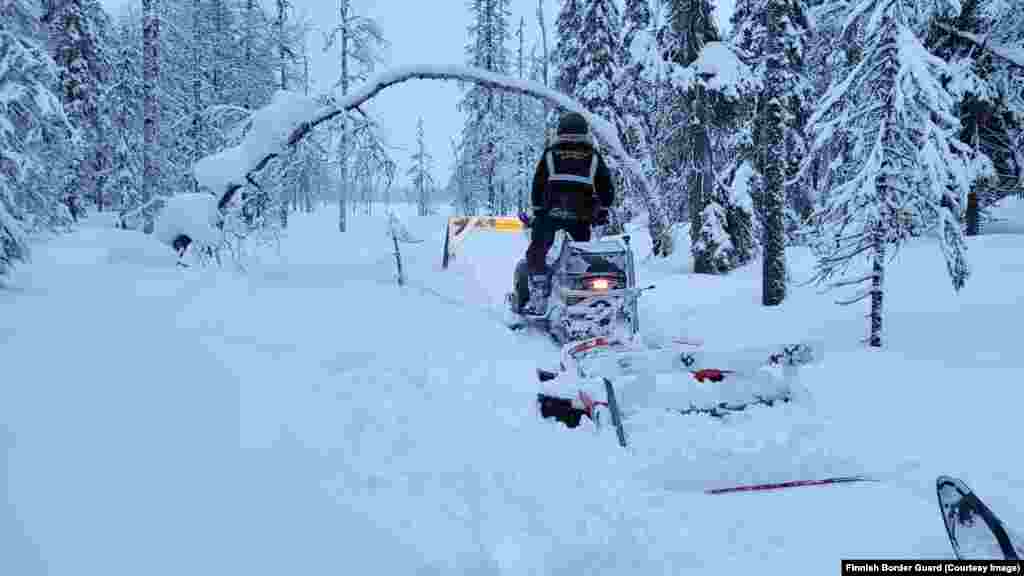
x=312, y=417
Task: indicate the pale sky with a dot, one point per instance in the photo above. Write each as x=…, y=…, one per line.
x=420, y=32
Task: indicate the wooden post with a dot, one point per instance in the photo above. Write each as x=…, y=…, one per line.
x=447, y=235
x=398, y=260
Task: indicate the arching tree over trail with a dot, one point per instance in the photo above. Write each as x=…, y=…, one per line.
x=291, y=117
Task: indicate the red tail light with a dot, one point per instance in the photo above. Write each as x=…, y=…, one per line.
x=599, y=284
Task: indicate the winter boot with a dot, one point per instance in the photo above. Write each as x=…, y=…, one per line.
x=538, y=304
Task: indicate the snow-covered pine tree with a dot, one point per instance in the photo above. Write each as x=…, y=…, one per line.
x=904, y=166
x=419, y=172
x=33, y=129
x=361, y=39
x=79, y=41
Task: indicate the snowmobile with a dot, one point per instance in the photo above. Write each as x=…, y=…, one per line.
x=619, y=375
x=592, y=290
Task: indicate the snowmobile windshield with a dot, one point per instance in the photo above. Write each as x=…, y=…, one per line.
x=596, y=263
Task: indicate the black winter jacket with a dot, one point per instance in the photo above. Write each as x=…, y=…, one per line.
x=566, y=198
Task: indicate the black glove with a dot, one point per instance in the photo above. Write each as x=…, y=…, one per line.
x=601, y=216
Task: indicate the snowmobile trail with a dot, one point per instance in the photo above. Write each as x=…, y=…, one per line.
x=311, y=416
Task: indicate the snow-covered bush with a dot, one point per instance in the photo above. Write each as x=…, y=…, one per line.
x=192, y=216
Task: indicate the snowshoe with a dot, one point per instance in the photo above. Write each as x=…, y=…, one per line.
x=974, y=530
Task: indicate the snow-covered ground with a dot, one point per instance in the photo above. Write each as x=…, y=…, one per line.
x=312, y=417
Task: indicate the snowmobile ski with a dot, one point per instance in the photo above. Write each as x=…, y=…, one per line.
x=613, y=407
x=974, y=531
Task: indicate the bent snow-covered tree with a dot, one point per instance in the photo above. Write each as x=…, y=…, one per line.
x=291, y=117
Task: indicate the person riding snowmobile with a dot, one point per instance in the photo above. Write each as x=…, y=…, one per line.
x=572, y=189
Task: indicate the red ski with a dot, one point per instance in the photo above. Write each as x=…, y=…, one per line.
x=790, y=484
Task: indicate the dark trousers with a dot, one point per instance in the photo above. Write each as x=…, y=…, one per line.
x=543, y=236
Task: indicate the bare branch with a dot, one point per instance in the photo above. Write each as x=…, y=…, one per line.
x=845, y=283
x=854, y=299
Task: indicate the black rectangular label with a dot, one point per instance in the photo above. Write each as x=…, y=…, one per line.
x=987, y=567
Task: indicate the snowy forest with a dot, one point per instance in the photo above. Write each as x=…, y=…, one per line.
x=847, y=126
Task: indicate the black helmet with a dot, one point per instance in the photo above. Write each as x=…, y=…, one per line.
x=572, y=123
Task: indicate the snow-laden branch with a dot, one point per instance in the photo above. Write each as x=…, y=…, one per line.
x=292, y=116
x=1013, y=55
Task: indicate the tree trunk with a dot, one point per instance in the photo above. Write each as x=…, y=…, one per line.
x=197, y=85
x=150, y=105
x=973, y=215
x=282, y=51
x=343, y=146
x=547, y=57
x=773, y=278
x=250, y=10
x=877, y=278
x=701, y=181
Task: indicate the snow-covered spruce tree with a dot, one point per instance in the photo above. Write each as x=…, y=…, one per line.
x=692, y=26
x=699, y=82
x=33, y=130
x=79, y=39
x=641, y=84
x=905, y=166
x=121, y=106
x=600, y=49
x=771, y=36
x=633, y=95
x=486, y=133
x=990, y=108
x=633, y=91
x=360, y=39
x=175, y=97
x=419, y=172
x=568, y=52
